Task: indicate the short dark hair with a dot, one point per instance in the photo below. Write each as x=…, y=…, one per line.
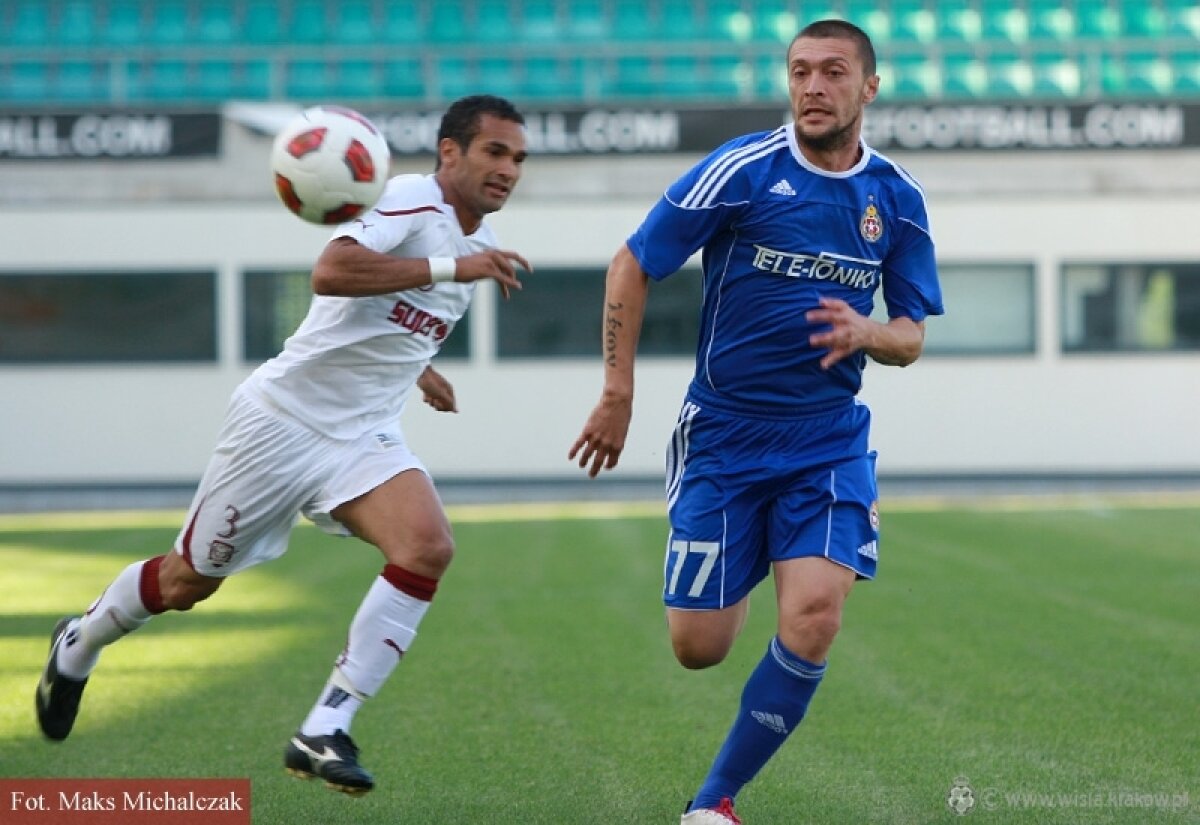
x=461, y=122
x=847, y=31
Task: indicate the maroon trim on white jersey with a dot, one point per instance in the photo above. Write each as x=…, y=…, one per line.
x=391, y=213
x=185, y=546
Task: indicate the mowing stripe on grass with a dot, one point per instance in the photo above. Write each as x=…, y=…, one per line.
x=582, y=510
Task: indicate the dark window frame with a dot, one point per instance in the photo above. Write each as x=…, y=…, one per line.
x=136, y=322
x=571, y=329
x=1114, y=270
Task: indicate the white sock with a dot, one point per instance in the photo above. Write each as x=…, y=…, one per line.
x=118, y=612
x=334, y=710
x=382, y=631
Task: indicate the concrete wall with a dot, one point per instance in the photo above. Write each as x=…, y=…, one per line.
x=1039, y=414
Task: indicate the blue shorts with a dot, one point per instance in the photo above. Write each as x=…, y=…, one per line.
x=743, y=492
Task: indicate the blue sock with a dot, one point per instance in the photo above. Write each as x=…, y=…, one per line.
x=773, y=703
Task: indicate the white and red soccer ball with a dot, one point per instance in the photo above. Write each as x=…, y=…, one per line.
x=331, y=164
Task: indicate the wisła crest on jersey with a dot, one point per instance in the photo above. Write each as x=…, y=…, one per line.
x=871, y=225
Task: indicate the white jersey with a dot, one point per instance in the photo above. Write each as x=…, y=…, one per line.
x=351, y=364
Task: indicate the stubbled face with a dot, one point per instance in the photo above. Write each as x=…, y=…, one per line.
x=481, y=178
x=828, y=90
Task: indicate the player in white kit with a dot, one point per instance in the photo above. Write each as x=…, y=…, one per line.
x=315, y=431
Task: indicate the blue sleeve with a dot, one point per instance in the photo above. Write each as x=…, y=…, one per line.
x=910, y=280
x=694, y=210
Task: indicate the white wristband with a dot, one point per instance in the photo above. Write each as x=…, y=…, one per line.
x=442, y=270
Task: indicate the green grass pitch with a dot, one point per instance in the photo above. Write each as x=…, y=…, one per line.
x=1048, y=655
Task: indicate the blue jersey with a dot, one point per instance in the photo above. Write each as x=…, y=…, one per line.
x=778, y=234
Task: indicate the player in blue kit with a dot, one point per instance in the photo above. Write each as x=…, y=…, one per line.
x=769, y=468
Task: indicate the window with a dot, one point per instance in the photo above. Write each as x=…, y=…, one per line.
x=98, y=317
x=989, y=310
x=1145, y=307
x=274, y=305
x=276, y=302
x=559, y=312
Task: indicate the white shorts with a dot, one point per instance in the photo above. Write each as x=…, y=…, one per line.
x=265, y=471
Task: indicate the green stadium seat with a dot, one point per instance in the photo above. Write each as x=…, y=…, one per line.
x=403, y=77
x=726, y=21
x=553, y=78
x=403, y=22
x=633, y=21
x=1148, y=74
x=964, y=76
x=1056, y=76
x=28, y=26
x=1098, y=20
x=915, y=77
x=167, y=80
x=774, y=21
x=587, y=21
x=539, y=21
x=76, y=23
x=309, y=80
x=455, y=78
x=1004, y=22
x=678, y=20
x=261, y=23
x=913, y=21
x=1183, y=18
x=1050, y=20
x=216, y=23
x=134, y=76
x=1142, y=18
x=215, y=80
x=495, y=22
x=124, y=25
x=170, y=22
x=307, y=23
x=27, y=81
x=353, y=22
x=821, y=10
x=358, y=80
x=682, y=77
x=1008, y=77
x=1185, y=70
x=867, y=15
x=731, y=77
x=770, y=77
x=958, y=22
x=448, y=23
x=499, y=76
x=1112, y=78
x=633, y=76
x=259, y=79
x=82, y=81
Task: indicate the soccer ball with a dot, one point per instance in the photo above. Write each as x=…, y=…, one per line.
x=330, y=164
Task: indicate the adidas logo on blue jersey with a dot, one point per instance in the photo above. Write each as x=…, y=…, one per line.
x=770, y=720
x=783, y=188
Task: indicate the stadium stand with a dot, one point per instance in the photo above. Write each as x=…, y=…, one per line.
x=115, y=52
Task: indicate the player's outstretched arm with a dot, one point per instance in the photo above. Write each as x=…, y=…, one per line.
x=436, y=391
x=897, y=343
x=348, y=269
x=603, y=437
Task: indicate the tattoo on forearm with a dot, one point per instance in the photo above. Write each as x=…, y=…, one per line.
x=611, y=325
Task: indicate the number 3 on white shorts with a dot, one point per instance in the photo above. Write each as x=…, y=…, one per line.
x=709, y=549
